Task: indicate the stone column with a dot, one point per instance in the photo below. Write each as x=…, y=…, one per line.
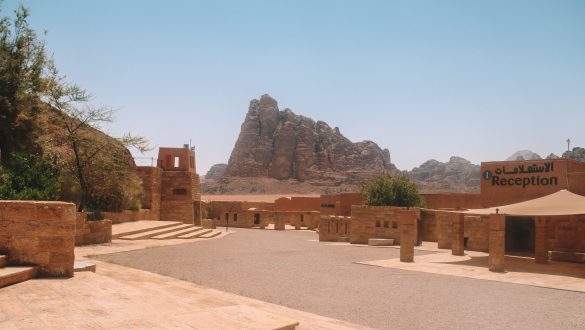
x=407, y=220
x=443, y=230
x=457, y=235
x=278, y=224
x=540, y=241
x=497, y=243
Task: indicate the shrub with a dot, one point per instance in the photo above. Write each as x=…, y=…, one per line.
x=385, y=190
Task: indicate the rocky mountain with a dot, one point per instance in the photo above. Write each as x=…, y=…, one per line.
x=216, y=172
x=282, y=145
x=577, y=153
x=524, y=155
x=456, y=175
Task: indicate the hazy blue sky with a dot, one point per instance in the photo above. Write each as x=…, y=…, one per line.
x=425, y=79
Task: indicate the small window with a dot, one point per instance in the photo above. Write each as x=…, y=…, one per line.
x=302, y=218
x=386, y=224
x=227, y=216
x=235, y=217
x=176, y=162
x=179, y=191
x=346, y=229
x=394, y=225
x=337, y=227
x=378, y=223
x=329, y=227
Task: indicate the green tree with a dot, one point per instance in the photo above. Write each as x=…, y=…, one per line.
x=23, y=73
x=386, y=190
x=100, y=166
x=30, y=179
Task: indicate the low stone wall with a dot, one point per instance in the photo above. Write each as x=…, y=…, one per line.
x=376, y=222
x=92, y=232
x=40, y=234
x=208, y=224
x=332, y=228
x=129, y=216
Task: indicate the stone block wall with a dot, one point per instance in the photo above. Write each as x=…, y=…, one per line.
x=566, y=233
x=40, y=234
x=177, y=196
x=151, y=183
x=331, y=228
x=376, y=222
x=92, y=232
x=476, y=232
x=428, y=225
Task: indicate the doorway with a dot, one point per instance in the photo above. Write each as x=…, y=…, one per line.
x=520, y=236
x=256, y=219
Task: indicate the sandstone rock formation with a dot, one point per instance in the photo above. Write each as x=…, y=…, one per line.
x=577, y=153
x=282, y=145
x=456, y=175
x=216, y=172
x=524, y=155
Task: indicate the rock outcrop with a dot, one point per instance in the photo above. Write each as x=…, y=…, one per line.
x=524, y=155
x=216, y=172
x=456, y=175
x=577, y=153
x=284, y=146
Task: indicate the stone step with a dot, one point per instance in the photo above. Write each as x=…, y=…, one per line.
x=381, y=241
x=144, y=230
x=197, y=234
x=13, y=274
x=3, y=261
x=211, y=235
x=155, y=232
x=178, y=233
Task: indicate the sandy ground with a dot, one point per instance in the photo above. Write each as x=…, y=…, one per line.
x=291, y=268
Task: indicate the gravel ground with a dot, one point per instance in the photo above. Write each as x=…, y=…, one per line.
x=291, y=269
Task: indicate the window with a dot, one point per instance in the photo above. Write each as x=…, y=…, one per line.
x=331, y=206
x=302, y=218
x=394, y=225
x=378, y=223
x=179, y=191
x=235, y=217
x=176, y=165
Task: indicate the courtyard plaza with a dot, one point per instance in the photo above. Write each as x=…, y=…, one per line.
x=269, y=279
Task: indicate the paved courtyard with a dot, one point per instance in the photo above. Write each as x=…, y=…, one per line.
x=291, y=268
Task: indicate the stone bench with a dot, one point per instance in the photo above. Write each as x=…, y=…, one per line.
x=567, y=256
x=381, y=241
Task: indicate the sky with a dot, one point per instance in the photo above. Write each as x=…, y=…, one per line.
x=425, y=79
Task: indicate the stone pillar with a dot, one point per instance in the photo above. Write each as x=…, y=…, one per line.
x=540, y=241
x=407, y=221
x=458, y=238
x=497, y=243
x=443, y=230
x=278, y=224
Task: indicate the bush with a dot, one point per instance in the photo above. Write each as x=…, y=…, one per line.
x=29, y=177
x=385, y=190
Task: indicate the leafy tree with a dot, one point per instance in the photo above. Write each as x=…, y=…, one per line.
x=28, y=178
x=100, y=166
x=23, y=68
x=386, y=190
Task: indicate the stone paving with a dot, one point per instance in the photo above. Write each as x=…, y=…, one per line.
x=292, y=269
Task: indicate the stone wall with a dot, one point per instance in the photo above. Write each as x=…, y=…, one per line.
x=151, y=186
x=376, y=222
x=332, y=228
x=92, y=232
x=40, y=234
x=566, y=234
x=452, y=201
x=129, y=216
x=476, y=233
x=177, y=196
x=428, y=225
